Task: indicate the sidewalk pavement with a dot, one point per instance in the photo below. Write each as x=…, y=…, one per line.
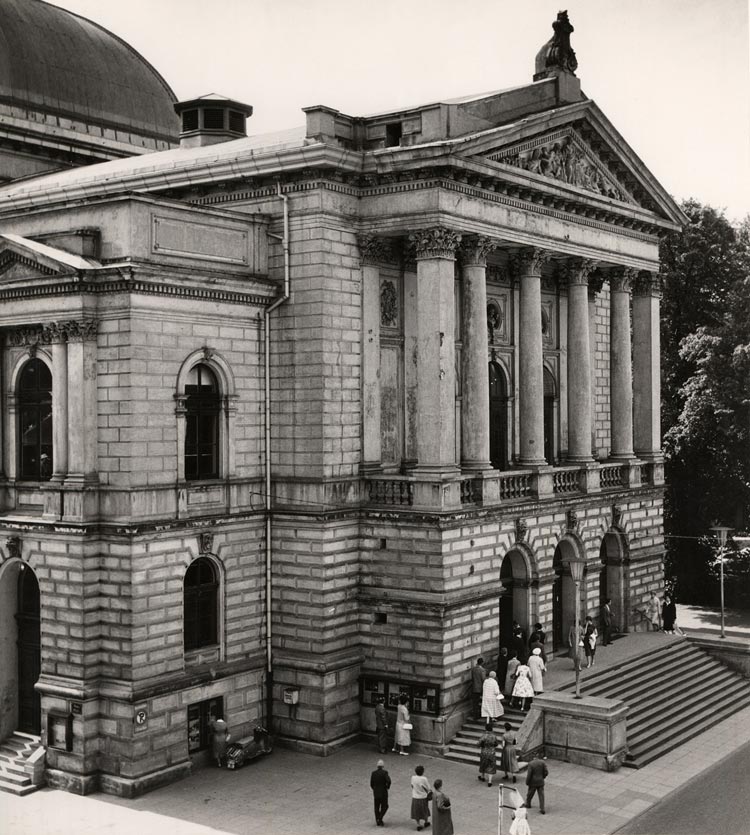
x=296, y=793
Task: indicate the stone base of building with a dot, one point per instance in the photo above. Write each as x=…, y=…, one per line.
x=130, y=787
x=318, y=749
x=73, y=783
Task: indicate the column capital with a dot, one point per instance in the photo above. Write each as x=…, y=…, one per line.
x=529, y=261
x=474, y=250
x=438, y=242
x=648, y=283
x=621, y=279
x=79, y=331
x=374, y=249
x=578, y=271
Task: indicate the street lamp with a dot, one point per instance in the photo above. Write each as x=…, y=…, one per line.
x=576, y=565
x=721, y=532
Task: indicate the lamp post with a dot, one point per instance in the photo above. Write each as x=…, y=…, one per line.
x=721, y=532
x=576, y=565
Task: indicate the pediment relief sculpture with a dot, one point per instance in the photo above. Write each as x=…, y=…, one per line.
x=565, y=157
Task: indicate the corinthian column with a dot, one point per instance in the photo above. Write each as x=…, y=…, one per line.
x=528, y=266
x=436, y=357
x=475, y=404
x=620, y=365
x=646, y=366
x=579, y=362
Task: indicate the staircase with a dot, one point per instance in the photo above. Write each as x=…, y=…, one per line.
x=16, y=752
x=673, y=693
x=465, y=745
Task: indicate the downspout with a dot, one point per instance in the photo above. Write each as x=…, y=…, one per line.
x=267, y=454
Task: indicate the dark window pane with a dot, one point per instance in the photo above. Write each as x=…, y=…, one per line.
x=202, y=406
x=35, y=421
x=200, y=604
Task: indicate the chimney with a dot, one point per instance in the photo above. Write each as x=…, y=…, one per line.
x=211, y=119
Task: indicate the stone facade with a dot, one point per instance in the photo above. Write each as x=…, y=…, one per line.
x=414, y=345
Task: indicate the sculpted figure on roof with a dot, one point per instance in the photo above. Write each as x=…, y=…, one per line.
x=557, y=53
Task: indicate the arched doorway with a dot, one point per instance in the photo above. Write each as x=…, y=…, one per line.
x=550, y=435
x=612, y=578
x=564, y=595
x=498, y=417
x=29, y=651
x=514, y=596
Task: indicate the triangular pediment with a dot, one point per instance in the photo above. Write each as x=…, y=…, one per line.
x=22, y=259
x=16, y=267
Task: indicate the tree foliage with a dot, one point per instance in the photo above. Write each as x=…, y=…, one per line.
x=705, y=387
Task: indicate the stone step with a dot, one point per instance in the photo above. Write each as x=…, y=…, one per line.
x=13, y=788
x=15, y=776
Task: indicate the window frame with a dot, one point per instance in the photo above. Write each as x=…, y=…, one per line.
x=42, y=407
x=200, y=607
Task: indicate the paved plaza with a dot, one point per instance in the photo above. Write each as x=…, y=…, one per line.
x=296, y=793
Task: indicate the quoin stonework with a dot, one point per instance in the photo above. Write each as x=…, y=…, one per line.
x=293, y=421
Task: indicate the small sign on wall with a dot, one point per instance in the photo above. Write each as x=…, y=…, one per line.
x=76, y=708
x=140, y=718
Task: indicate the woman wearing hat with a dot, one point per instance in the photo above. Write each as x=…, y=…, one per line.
x=536, y=670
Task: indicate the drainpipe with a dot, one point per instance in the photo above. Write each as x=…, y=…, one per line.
x=267, y=454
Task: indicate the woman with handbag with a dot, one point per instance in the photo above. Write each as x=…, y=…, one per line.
x=487, y=761
x=402, y=738
x=442, y=818
x=421, y=795
x=492, y=699
x=590, y=636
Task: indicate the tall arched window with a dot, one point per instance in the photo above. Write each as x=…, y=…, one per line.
x=201, y=604
x=202, y=409
x=35, y=421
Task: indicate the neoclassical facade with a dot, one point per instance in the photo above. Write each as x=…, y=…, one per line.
x=293, y=421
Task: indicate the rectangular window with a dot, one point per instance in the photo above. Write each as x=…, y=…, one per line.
x=423, y=698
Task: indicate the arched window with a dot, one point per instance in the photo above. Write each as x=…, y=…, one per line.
x=202, y=409
x=201, y=604
x=35, y=421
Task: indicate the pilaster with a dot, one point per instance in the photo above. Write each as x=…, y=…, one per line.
x=620, y=363
x=646, y=367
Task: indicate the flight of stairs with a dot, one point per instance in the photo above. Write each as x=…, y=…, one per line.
x=673, y=693
x=14, y=753
x=465, y=745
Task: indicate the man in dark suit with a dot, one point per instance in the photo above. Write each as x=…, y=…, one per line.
x=535, y=776
x=380, y=782
x=607, y=622
x=478, y=675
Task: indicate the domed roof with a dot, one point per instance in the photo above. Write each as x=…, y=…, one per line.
x=61, y=64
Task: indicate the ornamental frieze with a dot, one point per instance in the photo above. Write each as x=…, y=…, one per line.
x=31, y=336
x=564, y=156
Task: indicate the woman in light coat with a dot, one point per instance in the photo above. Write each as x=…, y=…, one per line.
x=402, y=738
x=442, y=819
x=537, y=670
x=492, y=699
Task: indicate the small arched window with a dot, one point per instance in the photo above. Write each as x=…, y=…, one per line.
x=35, y=421
x=202, y=410
x=201, y=604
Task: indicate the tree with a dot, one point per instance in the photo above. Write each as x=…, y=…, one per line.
x=706, y=388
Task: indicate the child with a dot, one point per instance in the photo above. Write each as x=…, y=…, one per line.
x=520, y=825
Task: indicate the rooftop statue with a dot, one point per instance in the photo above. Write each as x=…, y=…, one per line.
x=557, y=53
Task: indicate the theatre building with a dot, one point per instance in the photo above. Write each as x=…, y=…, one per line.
x=291, y=421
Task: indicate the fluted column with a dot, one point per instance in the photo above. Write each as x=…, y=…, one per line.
x=579, y=361
x=475, y=404
x=646, y=366
x=434, y=251
x=373, y=251
x=528, y=266
x=620, y=364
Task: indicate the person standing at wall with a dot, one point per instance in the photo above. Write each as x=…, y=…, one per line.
x=380, y=782
x=653, y=610
x=590, y=637
x=606, y=622
x=402, y=738
x=219, y=739
x=381, y=724
x=478, y=675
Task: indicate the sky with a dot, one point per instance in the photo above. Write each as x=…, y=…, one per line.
x=673, y=76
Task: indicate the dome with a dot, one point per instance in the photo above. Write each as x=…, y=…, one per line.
x=80, y=76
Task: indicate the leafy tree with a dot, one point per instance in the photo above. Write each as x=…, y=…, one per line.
x=706, y=388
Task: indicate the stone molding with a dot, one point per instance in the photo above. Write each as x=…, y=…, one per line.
x=31, y=336
x=621, y=279
x=648, y=283
x=530, y=261
x=578, y=271
x=374, y=249
x=438, y=242
x=474, y=250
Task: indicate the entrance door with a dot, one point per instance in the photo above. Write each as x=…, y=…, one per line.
x=29, y=653
x=498, y=418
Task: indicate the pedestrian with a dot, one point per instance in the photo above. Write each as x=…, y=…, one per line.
x=510, y=675
x=219, y=739
x=653, y=610
x=380, y=782
x=478, y=675
x=668, y=614
x=402, y=737
x=537, y=670
x=520, y=824
x=381, y=724
x=502, y=666
x=575, y=642
x=442, y=816
x=590, y=636
x=536, y=640
x=535, y=777
x=519, y=643
x=509, y=755
x=492, y=698
x=421, y=794
x=487, y=760
x=522, y=689
x=606, y=622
